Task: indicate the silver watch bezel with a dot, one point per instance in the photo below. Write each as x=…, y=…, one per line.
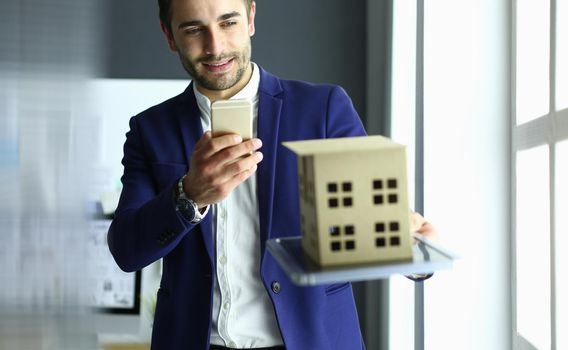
x=197, y=216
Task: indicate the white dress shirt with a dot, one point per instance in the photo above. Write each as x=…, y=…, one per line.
x=243, y=315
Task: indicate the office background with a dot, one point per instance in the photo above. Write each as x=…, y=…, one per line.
x=455, y=114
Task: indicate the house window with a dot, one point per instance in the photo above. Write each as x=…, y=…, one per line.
x=350, y=245
x=380, y=242
x=335, y=246
x=378, y=199
x=343, y=187
x=393, y=198
x=395, y=241
x=332, y=187
x=379, y=193
x=349, y=230
x=333, y=203
x=391, y=183
x=393, y=226
x=380, y=227
x=334, y=231
x=377, y=184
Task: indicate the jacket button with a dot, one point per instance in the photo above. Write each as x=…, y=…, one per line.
x=276, y=287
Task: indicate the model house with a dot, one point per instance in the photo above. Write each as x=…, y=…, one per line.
x=353, y=200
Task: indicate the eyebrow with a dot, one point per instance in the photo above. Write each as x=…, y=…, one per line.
x=223, y=17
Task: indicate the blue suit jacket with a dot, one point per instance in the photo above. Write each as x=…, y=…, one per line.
x=146, y=226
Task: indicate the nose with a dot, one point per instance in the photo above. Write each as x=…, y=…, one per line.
x=213, y=43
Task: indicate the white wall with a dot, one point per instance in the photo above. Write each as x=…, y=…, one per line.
x=466, y=108
x=113, y=102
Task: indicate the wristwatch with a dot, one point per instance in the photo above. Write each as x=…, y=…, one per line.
x=186, y=206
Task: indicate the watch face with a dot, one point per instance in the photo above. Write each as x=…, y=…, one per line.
x=186, y=209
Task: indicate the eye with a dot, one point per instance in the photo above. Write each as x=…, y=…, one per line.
x=192, y=30
x=228, y=24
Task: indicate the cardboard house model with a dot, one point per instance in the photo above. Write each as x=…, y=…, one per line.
x=353, y=200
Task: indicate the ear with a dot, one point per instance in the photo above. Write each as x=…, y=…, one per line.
x=251, y=18
x=169, y=37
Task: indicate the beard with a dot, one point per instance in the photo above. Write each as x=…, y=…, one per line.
x=218, y=82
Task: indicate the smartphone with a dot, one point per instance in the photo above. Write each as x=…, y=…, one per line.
x=232, y=117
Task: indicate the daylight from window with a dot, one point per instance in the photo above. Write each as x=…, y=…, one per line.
x=561, y=243
x=533, y=246
x=561, y=54
x=533, y=55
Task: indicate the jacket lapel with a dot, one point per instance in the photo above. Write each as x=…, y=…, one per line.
x=269, y=108
x=189, y=120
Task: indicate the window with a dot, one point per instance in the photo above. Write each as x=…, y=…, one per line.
x=346, y=188
x=561, y=241
x=332, y=187
x=335, y=246
x=378, y=199
x=395, y=241
x=380, y=227
x=378, y=192
x=533, y=246
x=391, y=183
x=540, y=130
x=393, y=198
x=334, y=231
x=561, y=54
x=394, y=226
x=380, y=242
x=403, y=116
x=377, y=184
x=333, y=203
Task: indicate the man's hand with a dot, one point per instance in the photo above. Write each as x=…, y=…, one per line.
x=420, y=225
x=218, y=165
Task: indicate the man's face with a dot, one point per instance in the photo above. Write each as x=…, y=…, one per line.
x=212, y=38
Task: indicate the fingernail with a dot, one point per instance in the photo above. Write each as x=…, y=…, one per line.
x=257, y=143
x=259, y=155
x=238, y=138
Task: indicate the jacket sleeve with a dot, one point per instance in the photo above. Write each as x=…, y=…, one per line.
x=146, y=225
x=342, y=119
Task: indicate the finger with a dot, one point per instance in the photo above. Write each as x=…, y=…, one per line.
x=229, y=155
x=241, y=177
x=242, y=165
x=205, y=138
x=245, y=148
x=217, y=144
x=416, y=221
x=428, y=231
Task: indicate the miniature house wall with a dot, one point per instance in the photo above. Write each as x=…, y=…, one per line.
x=353, y=200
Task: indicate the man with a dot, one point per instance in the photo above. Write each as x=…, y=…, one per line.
x=185, y=199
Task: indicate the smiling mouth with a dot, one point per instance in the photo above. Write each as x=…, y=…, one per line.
x=221, y=66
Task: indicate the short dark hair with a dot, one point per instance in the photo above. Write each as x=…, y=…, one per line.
x=166, y=15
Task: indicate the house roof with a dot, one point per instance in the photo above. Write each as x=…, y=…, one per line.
x=341, y=145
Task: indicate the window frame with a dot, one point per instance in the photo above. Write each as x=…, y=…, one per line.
x=547, y=130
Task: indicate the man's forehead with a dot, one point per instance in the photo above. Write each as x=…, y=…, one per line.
x=204, y=10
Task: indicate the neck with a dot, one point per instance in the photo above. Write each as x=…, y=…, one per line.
x=214, y=95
